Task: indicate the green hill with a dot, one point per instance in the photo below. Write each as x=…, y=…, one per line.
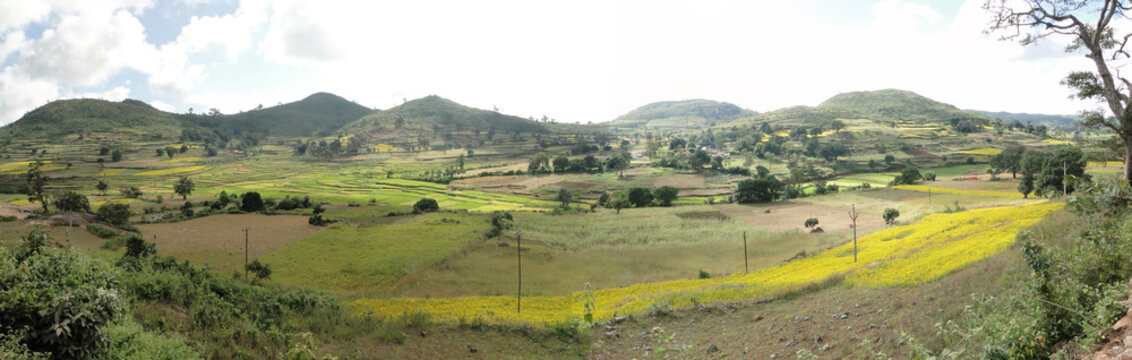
x=317, y=115
x=685, y=114
x=432, y=113
x=126, y=119
x=897, y=105
x=1036, y=119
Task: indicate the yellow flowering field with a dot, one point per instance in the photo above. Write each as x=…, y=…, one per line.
x=902, y=255
x=21, y=167
x=383, y=148
x=983, y=151
x=943, y=190
x=170, y=171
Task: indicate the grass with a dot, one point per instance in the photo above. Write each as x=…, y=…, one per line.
x=218, y=242
x=171, y=171
x=357, y=260
x=943, y=190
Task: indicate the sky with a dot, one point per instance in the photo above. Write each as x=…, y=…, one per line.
x=574, y=61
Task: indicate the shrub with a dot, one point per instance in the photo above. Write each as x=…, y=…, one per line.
x=251, y=202
x=665, y=195
x=131, y=192
x=425, y=205
x=811, y=222
x=704, y=274
x=890, y=215
x=72, y=201
x=261, y=270
x=136, y=247
x=318, y=220
x=115, y=214
x=500, y=221
x=640, y=197
x=101, y=232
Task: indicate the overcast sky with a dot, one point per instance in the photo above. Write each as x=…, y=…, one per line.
x=575, y=61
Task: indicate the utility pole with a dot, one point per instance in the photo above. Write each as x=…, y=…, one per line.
x=1064, y=179
x=245, y=229
x=853, y=216
x=519, y=252
x=746, y=268
x=929, y=196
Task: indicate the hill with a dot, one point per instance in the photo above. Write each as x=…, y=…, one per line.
x=319, y=114
x=1036, y=119
x=126, y=119
x=684, y=114
x=433, y=113
x=897, y=105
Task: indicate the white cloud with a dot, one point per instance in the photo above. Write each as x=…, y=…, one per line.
x=118, y=93
x=85, y=50
x=161, y=105
x=20, y=94
x=16, y=14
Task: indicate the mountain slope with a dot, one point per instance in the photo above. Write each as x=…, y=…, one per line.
x=126, y=119
x=1036, y=119
x=432, y=113
x=316, y=115
x=687, y=114
x=897, y=105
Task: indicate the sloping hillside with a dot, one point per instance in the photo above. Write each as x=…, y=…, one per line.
x=319, y=114
x=685, y=114
x=432, y=113
x=126, y=119
x=897, y=105
x=1036, y=119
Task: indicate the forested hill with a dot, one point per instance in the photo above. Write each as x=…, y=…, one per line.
x=1036, y=119
x=127, y=119
x=684, y=114
x=431, y=114
x=319, y=114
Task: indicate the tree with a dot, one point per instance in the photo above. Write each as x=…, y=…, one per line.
x=665, y=195
x=170, y=151
x=1032, y=162
x=830, y=152
x=460, y=161
x=811, y=222
x=251, y=202
x=72, y=201
x=890, y=216
x=640, y=197
x=1065, y=162
x=184, y=148
x=426, y=205
x=618, y=163
x=117, y=214
x=538, y=161
x=910, y=175
x=160, y=152
x=676, y=143
x=561, y=163
x=564, y=197
x=1088, y=25
x=758, y=190
x=37, y=184
x=889, y=159
x=1026, y=186
x=137, y=248
x=837, y=125
x=500, y=221
x=698, y=160
x=618, y=200
x=184, y=187
x=1009, y=160
x=116, y=155
x=102, y=186
x=223, y=199
x=261, y=270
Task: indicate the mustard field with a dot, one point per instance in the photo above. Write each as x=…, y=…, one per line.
x=902, y=255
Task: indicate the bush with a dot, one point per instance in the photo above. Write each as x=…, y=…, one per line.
x=131, y=192
x=811, y=222
x=261, y=270
x=500, y=221
x=890, y=216
x=318, y=220
x=114, y=214
x=425, y=205
x=640, y=197
x=665, y=195
x=72, y=201
x=101, y=232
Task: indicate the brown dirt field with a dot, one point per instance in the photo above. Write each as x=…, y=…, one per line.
x=574, y=184
x=217, y=240
x=12, y=210
x=680, y=181
x=787, y=216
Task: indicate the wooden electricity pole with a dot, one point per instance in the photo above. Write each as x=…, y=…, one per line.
x=1064, y=180
x=245, y=229
x=853, y=216
x=746, y=268
x=519, y=252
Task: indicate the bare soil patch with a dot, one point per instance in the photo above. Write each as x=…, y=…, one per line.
x=218, y=240
x=787, y=216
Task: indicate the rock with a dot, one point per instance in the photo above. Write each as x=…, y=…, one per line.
x=826, y=347
x=617, y=320
x=610, y=328
x=849, y=328
x=772, y=356
x=612, y=334
x=746, y=349
x=817, y=339
x=757, y=317
x=712, y=349
x=767, y=211
x=1126, y=355
x=792, y=343
x=843, y=316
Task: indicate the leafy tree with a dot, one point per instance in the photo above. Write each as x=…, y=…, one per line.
x=251, y=202
x=223, y=199
x=116, y=155
x=184, y=187
x=1089, y=28
x=677, y=143
x=618, y=200
x=665, y=195
x=910, y=175
x=640, y=197
x=1009, y=160
x=425, y=205
x=837, y=125
x=1026, y=186
x=211, y=151
x=137, y=248
x=889, y=159
x=160, y=152
x=830, y=152
x=538, y=161
x=261, y=270
x=590, y=162
x=564, y=197
x=618, y=163
x=811, y=222
x=929, y=176
x=460, y=161
x=1032, y=162
x=698, y=160
x=187, y=209
x=500, y=221
x=116, y=214
x=170, y=151
x=103, y=151
x=184, y=149
x=758, y=190
x=72, y=201
x=102, y=186
x=131, y=192
x=561, y=163
x=890, y=216
x=1051, y=180
x=37, y=184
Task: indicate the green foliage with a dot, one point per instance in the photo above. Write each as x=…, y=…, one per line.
x=261, y=270
x=184, y=187
x=890, y=215
x=898, y=105
x=500, y=221
x=565, y=197
x=101, y=232
x=102, y=186
x=619, y=200
x=129, y=340
x=132, y=192
x=704, y=274
x=811, y=222
x=425, y=205
x=117, y=214
x=665, y=195
x=72, y=201
x=758, y=190
x=910, y=175
x=421, y=114
x=251, y=202
x=640, y=197
x=65, y=117
x=37, y=184
x=62, y=299
x=315, y=115
x=1068, y=161
x=689, y=114
x=1026, y=185
x=137, y=248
